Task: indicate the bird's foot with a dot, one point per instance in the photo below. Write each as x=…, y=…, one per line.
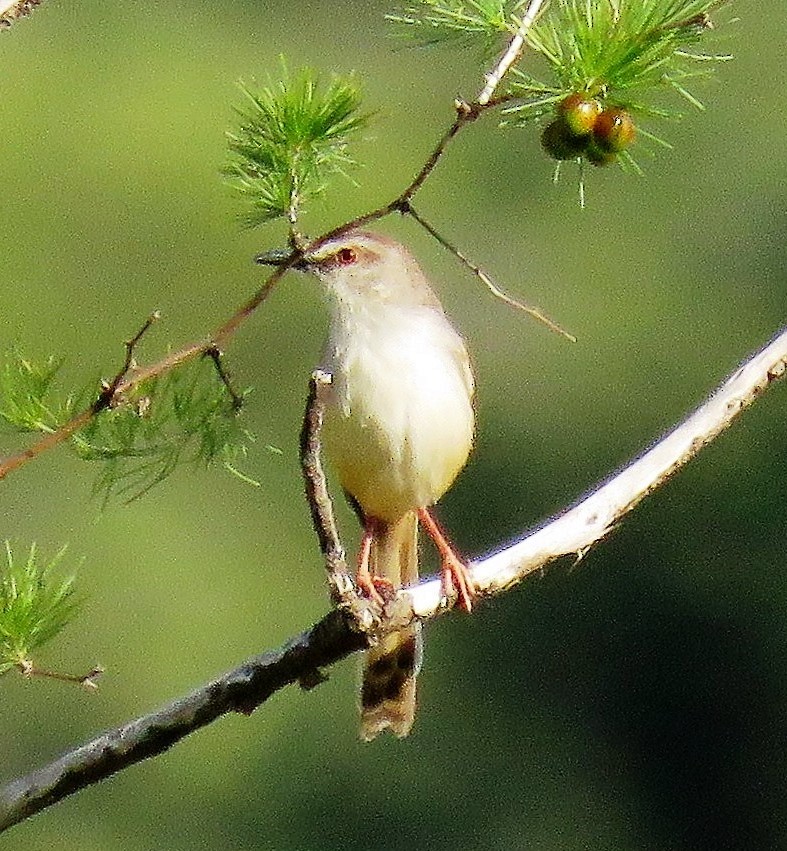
x=455, y=573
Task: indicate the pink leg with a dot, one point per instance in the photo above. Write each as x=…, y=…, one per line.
x=456, y=576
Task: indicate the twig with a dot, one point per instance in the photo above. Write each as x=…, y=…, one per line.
x=512, y=53
x=87, y=681
x=496, y=291
x=343, y=592
x=108, y=394
x=187, y=353
x=217, y=357
x=314, y=480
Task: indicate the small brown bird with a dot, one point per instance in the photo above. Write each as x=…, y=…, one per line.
x=398, y=428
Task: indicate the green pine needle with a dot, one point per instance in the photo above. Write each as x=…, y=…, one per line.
x=293, y=136
x=24, y=393
x=34, y=606
x=441, y=21
x=186, y=416
x=621, y=51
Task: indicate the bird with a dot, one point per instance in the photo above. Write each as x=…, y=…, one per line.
x=398, y=427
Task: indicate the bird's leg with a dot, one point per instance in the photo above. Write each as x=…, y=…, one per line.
x=456, y=576
x=365, y=582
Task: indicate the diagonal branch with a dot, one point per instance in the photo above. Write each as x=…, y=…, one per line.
x=240, y=690
x=594, y=517
x=512, y=53
x=466, y=113
x=335, y=637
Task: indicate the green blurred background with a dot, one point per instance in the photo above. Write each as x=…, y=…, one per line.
x=636, y=702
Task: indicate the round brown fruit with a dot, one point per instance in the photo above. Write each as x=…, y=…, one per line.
x=614, y=130
x=597, y=156
x=579, y=113
x=560, y=144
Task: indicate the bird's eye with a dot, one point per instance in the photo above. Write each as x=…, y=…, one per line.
x=346, y=256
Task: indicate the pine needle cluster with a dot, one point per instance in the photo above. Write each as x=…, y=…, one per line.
x=624, y=53
x=293, y=136
x=35, y=606
x=185, y=416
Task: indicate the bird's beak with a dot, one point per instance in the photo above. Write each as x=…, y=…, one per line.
x=277, y=256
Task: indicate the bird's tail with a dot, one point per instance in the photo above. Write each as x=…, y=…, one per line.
x=390, y=669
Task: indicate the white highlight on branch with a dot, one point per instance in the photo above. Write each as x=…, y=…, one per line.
x=511, y=55
x=11, y=10
x=594, y=517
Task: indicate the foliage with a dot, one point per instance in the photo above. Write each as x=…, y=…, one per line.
x=34, y=606
x=436, y=21
x=187, y=415
x=293, y=136
x=25, y=394
x=622, y=52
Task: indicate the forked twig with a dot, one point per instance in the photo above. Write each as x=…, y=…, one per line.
x=108, y=395
x=465, y=114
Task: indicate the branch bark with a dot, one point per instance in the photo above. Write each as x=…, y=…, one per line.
x=240, y=690
x=337, y=636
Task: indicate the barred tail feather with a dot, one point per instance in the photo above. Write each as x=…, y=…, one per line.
x=388, y=690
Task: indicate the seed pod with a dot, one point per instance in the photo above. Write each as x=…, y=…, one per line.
x=579, y=113
x=597, y=156
x=614, y=130
x=560, y=143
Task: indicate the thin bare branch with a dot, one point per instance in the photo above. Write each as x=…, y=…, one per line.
x=365, y=614
x=511, y=55
x=140, y=375
x=496, y=291
x=314, y=479
x=88, y=681
x=466, y=113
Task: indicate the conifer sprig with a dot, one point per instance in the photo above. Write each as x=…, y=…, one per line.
x=623, y=51
x=444, y=21
x=188, y=415
x=293, y=137
x=35, y=606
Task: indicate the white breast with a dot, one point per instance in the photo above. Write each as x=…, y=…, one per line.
x=400, y=426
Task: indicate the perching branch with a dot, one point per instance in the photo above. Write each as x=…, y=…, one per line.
x=335, y=637
x=594, y=517
x=240, y=690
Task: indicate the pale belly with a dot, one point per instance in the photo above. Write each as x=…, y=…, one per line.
x=400, y=424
